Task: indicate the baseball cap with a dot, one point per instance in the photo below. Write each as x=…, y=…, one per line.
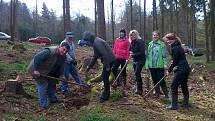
x=69, y=34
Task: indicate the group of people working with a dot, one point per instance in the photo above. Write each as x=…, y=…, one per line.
x=60, y=61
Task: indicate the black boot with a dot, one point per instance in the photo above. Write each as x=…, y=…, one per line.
x=174, y=103
x=186, y=102
x=157, y=92
x=139, y=89
x=165, y=91
x=124, y=81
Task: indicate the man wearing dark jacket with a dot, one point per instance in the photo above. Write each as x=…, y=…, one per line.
x=50, y=62
x=103, y=51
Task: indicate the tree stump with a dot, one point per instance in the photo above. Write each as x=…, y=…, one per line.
x=14, y=86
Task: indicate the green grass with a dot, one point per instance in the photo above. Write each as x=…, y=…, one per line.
x=18, y=67
x=117, y=95
x=201, y=60
x=96, y=113
x=129, y=66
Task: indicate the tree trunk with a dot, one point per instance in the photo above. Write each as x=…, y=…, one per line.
x=101, y=19
x=206, y=32
x=68, y=25
x=64, y=16
x=36, y=23
x=171, y=16
x=187, y=25
x=13, y=6
x=1, y=14
x=212, y=28
x=162, y=17
x=14, y=86
x=154, y=16
x=131, y=26
x=95, y=17
x=176, y=11
x=144, y=21
x=140, y=18
x=127, y=17
x=193, y=24
x=112, y=21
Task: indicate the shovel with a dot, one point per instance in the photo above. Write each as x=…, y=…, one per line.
x=154, y=87
x=59, y=79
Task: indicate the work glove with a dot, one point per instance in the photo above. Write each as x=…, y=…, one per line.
x=36, y=74
x=87, y=70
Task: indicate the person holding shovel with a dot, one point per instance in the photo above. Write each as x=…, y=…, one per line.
x=70, y=65
x=181, y=70
x=156, y=62
x=137, y=52
x=121, y=51
x=49, y=62
x=103, y=51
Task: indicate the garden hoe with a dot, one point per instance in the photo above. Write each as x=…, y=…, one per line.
x=154, y=87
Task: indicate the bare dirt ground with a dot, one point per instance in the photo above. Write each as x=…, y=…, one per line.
x=82, y=104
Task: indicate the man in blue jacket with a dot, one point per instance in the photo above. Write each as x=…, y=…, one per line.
x=70, y=65
x=50, y=61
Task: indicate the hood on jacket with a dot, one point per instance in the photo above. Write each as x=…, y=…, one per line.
x=87, y=36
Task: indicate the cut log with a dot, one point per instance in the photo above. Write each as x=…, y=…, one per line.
x=14, y=86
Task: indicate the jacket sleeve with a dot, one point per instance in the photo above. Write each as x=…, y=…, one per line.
x=175, y=59
x=141, y=49
x=115, y=46
x=69, y=57
x=128, y=49
x=40, y=57
x=94, y=58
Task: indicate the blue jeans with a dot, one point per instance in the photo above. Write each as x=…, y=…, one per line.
x=46, y=91
x=69, y=69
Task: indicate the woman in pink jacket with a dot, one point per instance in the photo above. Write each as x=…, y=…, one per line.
x=121, y=51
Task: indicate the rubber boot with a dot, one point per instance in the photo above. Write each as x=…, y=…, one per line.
x=174, y=103
x=186, y=102
x=157, y=92
x=139, y=89
x=165, y=91
x=124, y=81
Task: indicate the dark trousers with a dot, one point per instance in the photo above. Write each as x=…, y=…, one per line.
x=105, y=78
x=116, y=65
x=138, y=66
x=180, y=78
x=157, y=74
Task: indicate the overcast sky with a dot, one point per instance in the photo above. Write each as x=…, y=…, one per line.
x=85, y=7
